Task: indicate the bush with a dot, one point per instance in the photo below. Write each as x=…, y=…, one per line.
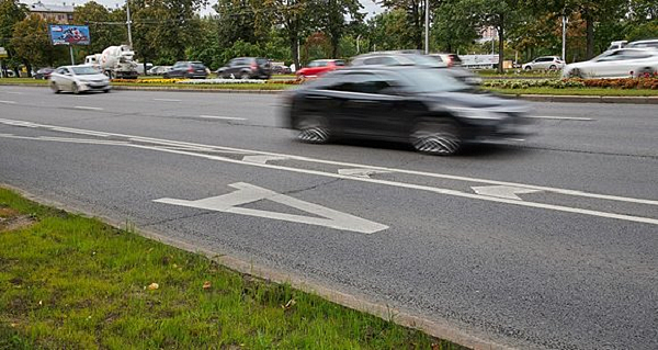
x=627, y=83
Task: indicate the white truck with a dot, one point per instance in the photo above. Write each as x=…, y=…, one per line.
x=479, y=61
x=115, y=62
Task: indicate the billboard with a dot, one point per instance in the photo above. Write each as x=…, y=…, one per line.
x=61, y=34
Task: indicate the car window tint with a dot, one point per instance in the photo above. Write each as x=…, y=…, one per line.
x=372, y=61
x=262, y=61
x=339, y=63
x=362, y=83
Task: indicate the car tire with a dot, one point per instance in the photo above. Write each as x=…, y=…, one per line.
x=436, y=136
x=313, y=129
x=645, y=72
x=245, y=76
x=165, y=76
x=527, y=68
x=553, y=67
x=75, y=89
x=55, y=87
x=107, y=90
x=576, y=73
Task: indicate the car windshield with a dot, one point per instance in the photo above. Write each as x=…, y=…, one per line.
x=431, y=80
x=84, y=71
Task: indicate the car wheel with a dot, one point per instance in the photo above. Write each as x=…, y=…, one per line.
x=106, y=91
x=527, y=68
x=439, y=137
x=55, y=87
x=313, y=129
x=576, y=73
x=75, y=89
x=245, y=76
x=553, y=67
x=165, y=76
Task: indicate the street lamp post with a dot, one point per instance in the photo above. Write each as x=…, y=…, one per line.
x=427, y=27
x=565, y=20
x=129, y=23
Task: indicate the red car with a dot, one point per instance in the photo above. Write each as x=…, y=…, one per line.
x=319, y=67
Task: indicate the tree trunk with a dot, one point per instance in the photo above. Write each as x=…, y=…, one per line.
x=590, y=36
x=501, y=42
x=293, y=51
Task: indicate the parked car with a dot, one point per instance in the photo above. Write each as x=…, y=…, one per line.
x=450, y=59
x=280, y=69
x=620, y=63
x=395, y=58
x=246, y=68
x=79, y=79
x=187, y=69
x=159, y=70
x=318, y=67
x=43, y=73
x=545, y=62
x=651, y=43
x=429, y=108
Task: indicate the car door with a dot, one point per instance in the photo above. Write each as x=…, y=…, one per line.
x=65, y=79
x=608, y=66
x=368, y=106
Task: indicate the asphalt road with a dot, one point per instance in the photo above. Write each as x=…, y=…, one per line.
x=550, y=244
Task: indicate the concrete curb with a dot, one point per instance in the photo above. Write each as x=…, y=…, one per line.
x=442, y=329
x=533, y=98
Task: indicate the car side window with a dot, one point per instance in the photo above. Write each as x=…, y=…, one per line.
x=372, y=61
x=363, y=83
x=313, y=64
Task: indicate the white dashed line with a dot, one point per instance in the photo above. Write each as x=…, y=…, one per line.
x=220, y=117
x=8, y=102
x=562, y=118
x=166, y=100
x=88, y=108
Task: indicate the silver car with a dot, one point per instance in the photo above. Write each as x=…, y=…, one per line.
x=545, y=62
x=79, y=79
x=621, y=63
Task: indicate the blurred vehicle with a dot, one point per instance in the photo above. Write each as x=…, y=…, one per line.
x=395, y=58
x=479, y=61
x=429, y=108
x=187, y=70
x=43, y=73
x=246, y=68
x=450, y=59
x=140, y=67
x=79, y=79
x=651, y=43
x=545, y=62
x=620, y=44
x=620, y=63
x=281, y=69
x=159, y=70
x=318, y=67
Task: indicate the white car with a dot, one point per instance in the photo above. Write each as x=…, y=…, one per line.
x=620, y=63
x=79, y=79
x=545, y=62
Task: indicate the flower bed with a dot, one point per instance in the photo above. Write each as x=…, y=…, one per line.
x=222, y=81
x=147, y=81
x=628, y=83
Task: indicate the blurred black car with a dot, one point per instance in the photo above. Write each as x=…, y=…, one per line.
x=188, y=70
x=43, y=73
x=246, y=68
x=407, y=58
x=429, y=108
x=281, y=70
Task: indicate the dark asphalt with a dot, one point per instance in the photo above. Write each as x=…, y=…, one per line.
x=563, y=274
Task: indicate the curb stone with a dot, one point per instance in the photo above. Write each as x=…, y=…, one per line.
x=526, y=97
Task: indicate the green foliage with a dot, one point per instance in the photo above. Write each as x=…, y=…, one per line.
x=31, y=42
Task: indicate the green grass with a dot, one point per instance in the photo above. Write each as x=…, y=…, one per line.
x=69, y=282
x=11, y=81
x=576, y=92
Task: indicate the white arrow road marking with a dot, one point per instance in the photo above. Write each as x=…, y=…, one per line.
x=217, y=117
x=362, y=173
x=247, y=193
x=508, y=192
x=261, y=159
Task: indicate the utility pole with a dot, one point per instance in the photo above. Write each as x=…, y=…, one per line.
x=129, y=23
x=427, y=27
x=564, y=37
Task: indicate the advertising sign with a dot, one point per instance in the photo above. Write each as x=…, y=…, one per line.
x=3, y=52
x=61, y=34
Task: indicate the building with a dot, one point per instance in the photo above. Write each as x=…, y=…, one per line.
x=56, y=14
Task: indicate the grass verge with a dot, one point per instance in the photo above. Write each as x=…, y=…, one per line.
x=69, y=282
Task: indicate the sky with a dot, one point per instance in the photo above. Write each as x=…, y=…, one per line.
x=369, y=6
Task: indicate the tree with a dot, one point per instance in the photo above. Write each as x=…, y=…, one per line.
x=294, y=19
x=389, y=31
x=104, y=28
x=32, y=43
x=331, y=19
x=11, y=12
x=415, y=17
x=453, y=27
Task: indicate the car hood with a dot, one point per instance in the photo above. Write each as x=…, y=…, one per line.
x=91, y=77
x=468, y=99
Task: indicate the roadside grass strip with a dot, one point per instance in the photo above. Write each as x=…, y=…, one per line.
x=70, y=282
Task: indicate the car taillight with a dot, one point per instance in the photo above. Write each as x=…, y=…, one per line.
x=254, y=66
x=450, y=62
x=191, y=69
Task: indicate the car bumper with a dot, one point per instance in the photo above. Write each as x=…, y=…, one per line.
x=517, y=130
x=95, y=86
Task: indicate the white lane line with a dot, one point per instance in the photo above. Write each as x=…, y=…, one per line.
x=550, y=117
x=166, y=100
x=88, y=108
x=220, y=117
x=13, y=92
x=342, y=164
x=8, y=102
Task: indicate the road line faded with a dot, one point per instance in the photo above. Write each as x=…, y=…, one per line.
x=221, y=117
x=88, y=108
